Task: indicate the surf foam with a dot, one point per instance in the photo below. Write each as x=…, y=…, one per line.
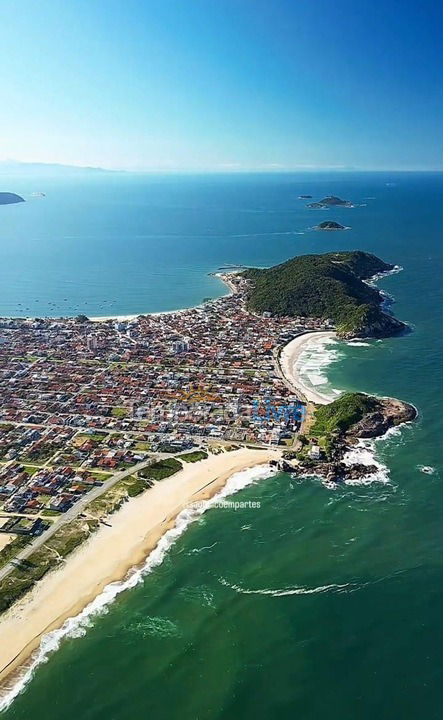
x=75, y=627
x=313, y=362
x=297, y=590
x=365, y=452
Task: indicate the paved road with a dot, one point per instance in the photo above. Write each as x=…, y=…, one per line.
x=81, y=505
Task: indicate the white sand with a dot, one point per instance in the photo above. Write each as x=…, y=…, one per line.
x=288, y=364
x=108, y=555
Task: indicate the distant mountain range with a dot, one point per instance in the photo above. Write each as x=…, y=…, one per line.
x=14, y=167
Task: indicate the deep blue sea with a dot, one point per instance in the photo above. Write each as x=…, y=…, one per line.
x=320, y=603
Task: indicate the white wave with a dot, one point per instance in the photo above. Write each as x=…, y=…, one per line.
x=313, y=362
x=75, y=627
x=427, y=469
x=316, y=378
x=297, y=590
x=202, y=549
x=386, y=273
x=357, y=343
x=365, y=453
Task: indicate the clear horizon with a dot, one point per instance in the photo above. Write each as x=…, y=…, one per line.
x=232, y=87
x=8, y=165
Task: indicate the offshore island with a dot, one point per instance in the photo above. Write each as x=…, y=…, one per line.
x=330, y=225
x=111, y=428
x=8, y=198
x=330, y=201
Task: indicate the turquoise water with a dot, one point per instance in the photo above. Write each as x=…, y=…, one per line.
x=320, y=602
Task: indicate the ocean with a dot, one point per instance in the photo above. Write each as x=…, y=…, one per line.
x=319, y=601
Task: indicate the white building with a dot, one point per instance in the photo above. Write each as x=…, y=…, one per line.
x=91, y=342
x=315, y=452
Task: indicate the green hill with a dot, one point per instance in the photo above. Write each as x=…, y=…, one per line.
x=325, y=286
x=343, y=413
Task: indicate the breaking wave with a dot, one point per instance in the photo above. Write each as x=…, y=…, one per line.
x=75, y=627
x=313, y=362
x=297, y=590
x=427, y=469
x=365, y=452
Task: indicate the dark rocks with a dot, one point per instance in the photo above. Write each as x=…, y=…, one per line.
x=373, y=425
x=389, y=413
x=284, y=466
x=375, y=324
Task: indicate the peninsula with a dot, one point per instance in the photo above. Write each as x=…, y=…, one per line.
x=337, y=427
x=330, y=286
x=8, y=198
x=133, y=420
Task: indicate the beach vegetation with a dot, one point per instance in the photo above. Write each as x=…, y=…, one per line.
x=29, y=571
x=194, y=456
x=12, y=548
x=340, y=415
x=161, y=469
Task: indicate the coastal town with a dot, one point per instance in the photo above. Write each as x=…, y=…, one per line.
x=84, y=400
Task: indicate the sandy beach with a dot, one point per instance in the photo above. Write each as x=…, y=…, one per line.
x=108, y=555
x=288, y=365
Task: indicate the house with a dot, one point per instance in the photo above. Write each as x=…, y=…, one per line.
x=315, y=452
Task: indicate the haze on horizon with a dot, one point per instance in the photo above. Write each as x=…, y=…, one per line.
x=223, y=86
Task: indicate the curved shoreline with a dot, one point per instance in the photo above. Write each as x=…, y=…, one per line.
x=110, y=553
x=287, y=361
x=131, y=316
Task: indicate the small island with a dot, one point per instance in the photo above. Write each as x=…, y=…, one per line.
x=330, y=201
x=304, y=197
x=330, y=225
x=8, y=198
x=331, y=286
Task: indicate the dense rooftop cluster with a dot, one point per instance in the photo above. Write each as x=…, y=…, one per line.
x=81, y=397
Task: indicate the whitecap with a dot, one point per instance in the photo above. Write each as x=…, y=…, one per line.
x=202, y=549
x=297, y=590
x=314, y=360
x=75, y=627
x=427, y=469
x=365, y=453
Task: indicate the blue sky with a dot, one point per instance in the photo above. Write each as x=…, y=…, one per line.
x=223, y=84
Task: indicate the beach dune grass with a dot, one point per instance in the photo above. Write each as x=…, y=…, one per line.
x=161, y=469
x=194, y=456
x=24, y=577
